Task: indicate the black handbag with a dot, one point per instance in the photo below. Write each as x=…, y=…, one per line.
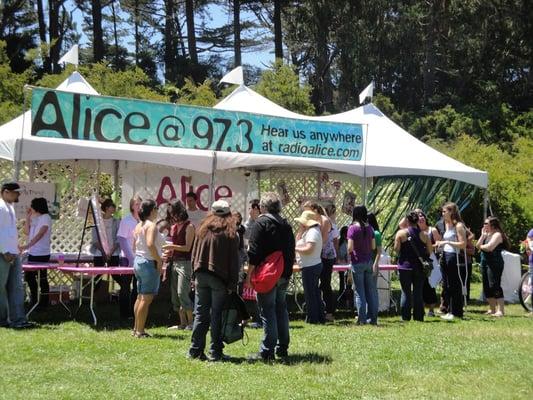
x=427, y=265
x=233, y=315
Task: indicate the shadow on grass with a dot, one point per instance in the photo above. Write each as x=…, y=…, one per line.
x=292, y=359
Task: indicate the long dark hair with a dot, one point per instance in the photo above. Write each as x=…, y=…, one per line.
x=373, y=222
x=40, y=205
x=360, y=215
x=147, y=206
x=343, y=235
x=495, y=224
x=177, y=211
x=219, y=223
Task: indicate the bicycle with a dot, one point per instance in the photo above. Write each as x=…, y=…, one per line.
x=525, y=291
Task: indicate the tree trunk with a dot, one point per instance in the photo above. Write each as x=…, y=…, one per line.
x=53, y=18
x=115, y=34
x=430, y=52
x=278, y=39
x=191, y=35
x=42, y=34
x=237, y=32
x=136, y=16
x=322, y=95
x=98, y=34
x=170, y=42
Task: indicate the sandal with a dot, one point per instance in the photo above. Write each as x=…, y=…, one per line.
x=141, y=335
x=489, y=312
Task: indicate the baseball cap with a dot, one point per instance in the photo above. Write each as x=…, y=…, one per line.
x=11, y=186
x=220, y=207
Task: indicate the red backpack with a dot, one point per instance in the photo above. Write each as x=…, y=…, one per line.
x=267, y=274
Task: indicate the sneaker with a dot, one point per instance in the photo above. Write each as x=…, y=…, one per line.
x=173, y=327
x=431, y=313
x=188, y=328
x=329, y=318
x=260, y=357
x=24, y=325
x=218, y=357
x=447, y=317
x=282, y=354
x=256, y=325
x=200, y=357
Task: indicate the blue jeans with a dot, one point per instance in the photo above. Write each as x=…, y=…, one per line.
x=11, y=292
x=313, y=301
x=412, y=279
x=366, y=293
x=210, y=297
x=275, y=318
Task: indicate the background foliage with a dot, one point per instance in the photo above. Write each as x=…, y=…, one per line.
x=455, y=74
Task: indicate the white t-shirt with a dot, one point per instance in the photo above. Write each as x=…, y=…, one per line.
x=125, y=230
x=196, y=217
x=8, y=228
x=313, y=235
x=42, y=247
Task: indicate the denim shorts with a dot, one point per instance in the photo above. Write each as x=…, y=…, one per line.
x=147, y=275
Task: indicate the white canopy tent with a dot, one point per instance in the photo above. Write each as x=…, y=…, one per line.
x=390, y=150
x=17, y=144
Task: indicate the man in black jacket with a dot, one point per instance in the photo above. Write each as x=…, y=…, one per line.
x=272, y=233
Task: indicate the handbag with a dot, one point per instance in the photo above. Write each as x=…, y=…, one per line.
x=427, y=265
x=234, y=315
x=266, y=275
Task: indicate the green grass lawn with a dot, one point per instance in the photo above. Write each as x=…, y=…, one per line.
x=479, y=357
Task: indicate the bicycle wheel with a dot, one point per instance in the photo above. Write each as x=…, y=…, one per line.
x=525, y=292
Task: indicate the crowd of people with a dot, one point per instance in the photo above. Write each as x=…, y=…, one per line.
x=214, y=254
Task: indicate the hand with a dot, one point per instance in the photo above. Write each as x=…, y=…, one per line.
x=8, y=257
x=168, y=247
x=28, y=213
x=248, y=280
x=23, y=247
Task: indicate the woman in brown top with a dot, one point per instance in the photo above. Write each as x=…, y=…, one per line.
x=215, y=261
x=182, y=234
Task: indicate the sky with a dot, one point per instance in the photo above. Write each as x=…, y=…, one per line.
x=218, y=17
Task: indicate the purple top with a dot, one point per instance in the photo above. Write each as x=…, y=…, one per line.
x=530, y=234
x=362, y=244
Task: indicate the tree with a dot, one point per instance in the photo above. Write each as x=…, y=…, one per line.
x=282, y=85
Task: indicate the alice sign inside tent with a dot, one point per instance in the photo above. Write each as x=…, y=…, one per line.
x=74, y=116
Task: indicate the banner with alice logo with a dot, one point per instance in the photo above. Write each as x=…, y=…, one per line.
x=75, y=116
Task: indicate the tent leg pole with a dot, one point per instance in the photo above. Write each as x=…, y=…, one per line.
x=364, y=191
x=213, y=172
x=16, y=173
x=485, y=203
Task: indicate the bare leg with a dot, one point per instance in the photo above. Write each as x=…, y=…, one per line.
x=142, y=311
x=492, y=305
x=500, y=306
x=189, y=317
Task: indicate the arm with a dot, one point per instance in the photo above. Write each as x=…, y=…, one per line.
x=427, y=242
x=375, y=266
x=27, y=223
x=398, y=241
x=349, y=246
x=494, y=241
x=325, y=227
x=151, y=238
x=36, y=238
x=305, y=248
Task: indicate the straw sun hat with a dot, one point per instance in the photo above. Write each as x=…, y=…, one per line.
x=307, y=219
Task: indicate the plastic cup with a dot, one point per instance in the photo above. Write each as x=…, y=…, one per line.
x=61, y=259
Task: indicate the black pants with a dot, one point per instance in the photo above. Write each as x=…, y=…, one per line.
x=325, y=284
x=429, y=294
x=31, y=279
x=412, y=282
x=492, y=280
x=453, y=290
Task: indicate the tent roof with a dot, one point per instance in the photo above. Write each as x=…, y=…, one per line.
x=33, y=148
x=390, y=150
